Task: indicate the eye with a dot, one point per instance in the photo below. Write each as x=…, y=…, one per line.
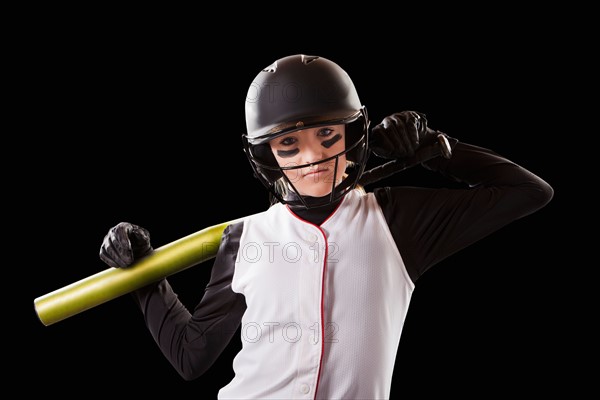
x=325, y=132
x=288, y=141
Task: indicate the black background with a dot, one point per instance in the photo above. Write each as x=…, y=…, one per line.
x=144, y=124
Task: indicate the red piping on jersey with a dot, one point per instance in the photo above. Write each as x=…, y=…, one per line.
x=321, y=311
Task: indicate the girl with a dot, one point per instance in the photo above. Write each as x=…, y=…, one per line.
x=320, y=283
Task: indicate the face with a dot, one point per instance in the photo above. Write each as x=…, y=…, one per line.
x=308, y=146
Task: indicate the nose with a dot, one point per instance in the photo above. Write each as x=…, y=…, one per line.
x=313, y=152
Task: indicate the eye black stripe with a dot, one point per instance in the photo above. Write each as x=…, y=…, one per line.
x=287, y=153
x=330, y=142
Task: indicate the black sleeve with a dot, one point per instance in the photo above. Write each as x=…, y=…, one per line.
x=429, y=224
x=192, y=342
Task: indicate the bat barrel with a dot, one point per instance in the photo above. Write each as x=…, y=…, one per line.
x=114, y=282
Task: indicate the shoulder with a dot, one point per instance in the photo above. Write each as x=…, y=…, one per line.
x=236, y=229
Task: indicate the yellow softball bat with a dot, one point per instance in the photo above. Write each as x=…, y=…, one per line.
x=114, y=282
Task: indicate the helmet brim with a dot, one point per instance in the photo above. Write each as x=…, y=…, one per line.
x=304, y=123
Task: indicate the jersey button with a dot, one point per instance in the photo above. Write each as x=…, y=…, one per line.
x=304, y=388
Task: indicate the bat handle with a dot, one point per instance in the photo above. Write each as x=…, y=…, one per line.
x=441, y=147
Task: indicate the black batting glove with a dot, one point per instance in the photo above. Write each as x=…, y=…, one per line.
x=124, y=244
x=400, y=135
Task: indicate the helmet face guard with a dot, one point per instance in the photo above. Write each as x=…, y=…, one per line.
x=295, y=93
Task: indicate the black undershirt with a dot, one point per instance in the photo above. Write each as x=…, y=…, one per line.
x=316, y=215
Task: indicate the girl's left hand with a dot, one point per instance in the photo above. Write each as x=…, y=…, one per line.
x=400, y=135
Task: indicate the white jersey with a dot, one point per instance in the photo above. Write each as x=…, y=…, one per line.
x=325, y=304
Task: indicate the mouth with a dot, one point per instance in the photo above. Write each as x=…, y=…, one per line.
x=316, y=172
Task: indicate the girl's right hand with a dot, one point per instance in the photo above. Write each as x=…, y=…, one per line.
x=124, y=244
